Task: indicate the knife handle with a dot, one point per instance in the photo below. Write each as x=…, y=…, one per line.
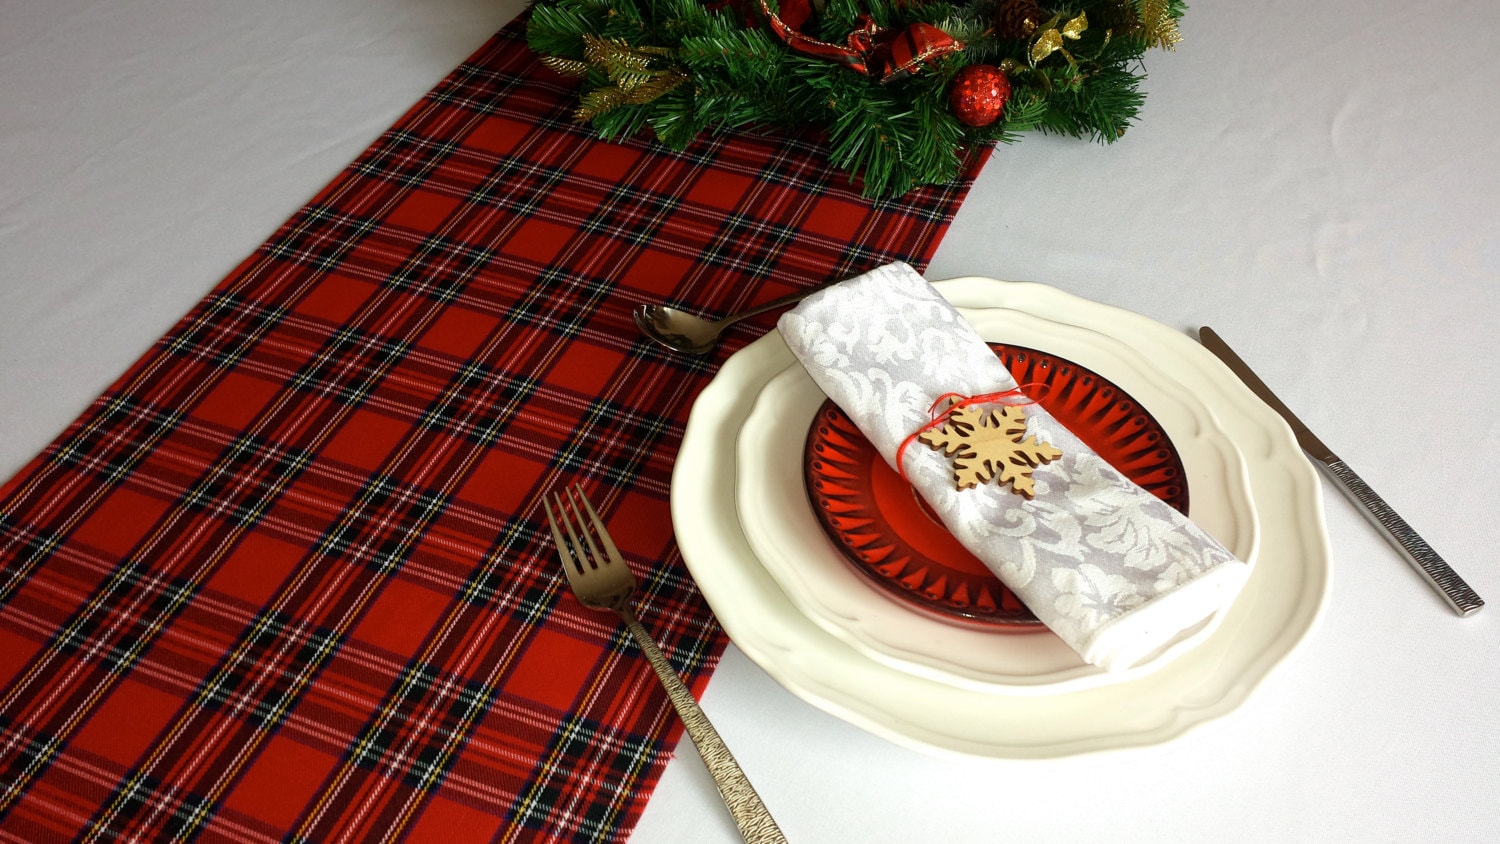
x=1464, y=600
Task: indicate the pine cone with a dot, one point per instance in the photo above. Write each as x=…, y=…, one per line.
x=1018, y=18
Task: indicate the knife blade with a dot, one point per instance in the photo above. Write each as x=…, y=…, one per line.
x=1463, y=599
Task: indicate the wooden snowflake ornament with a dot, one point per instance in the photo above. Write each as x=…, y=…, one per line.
x=989, y=443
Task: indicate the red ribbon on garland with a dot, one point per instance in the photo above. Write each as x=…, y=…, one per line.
x=870, y=50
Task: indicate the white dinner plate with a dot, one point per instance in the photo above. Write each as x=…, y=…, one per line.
x=1277, y=609
x=786, y=537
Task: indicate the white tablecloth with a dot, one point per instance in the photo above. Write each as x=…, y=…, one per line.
x=1317, y=181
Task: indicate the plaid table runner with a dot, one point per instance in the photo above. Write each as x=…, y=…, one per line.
x=289, y=578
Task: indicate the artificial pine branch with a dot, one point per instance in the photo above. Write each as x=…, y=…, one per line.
x=679, y=68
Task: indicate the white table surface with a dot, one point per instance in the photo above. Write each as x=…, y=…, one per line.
x=1317, y=181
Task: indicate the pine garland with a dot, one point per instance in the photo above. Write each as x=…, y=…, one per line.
x=681, y=68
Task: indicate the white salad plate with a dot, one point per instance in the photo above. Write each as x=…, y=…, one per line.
x=1275, y=612
x=786, y=537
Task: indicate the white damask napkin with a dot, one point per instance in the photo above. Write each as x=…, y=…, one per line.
x=1113, y=570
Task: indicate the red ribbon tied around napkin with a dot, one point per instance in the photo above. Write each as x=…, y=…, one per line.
x=869, y=50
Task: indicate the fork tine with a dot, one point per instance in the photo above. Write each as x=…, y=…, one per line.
x=608, y=584
x=575, y=495
x=581, y=560
x=563, y=550
x=578, y=561
x=609, y=544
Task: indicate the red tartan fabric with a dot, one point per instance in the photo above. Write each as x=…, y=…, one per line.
x=289, y=578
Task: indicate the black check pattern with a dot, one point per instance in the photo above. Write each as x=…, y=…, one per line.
x=288, y=578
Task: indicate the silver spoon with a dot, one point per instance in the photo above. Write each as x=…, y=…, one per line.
x=683, y=332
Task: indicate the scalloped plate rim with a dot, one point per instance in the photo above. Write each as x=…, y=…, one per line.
x=1281, y=606
x=786, y=538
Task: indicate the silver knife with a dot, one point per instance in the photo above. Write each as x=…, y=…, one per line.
x=1464, y=600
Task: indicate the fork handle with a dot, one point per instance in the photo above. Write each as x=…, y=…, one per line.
x=750, y=814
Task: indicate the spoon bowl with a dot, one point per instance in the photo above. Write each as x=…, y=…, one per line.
x=677, y=330
x=692, y=335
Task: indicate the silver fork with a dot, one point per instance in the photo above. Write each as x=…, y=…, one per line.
x=603, y=581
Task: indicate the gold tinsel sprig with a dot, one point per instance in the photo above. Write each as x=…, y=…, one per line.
x=1050, y=39
x=636, y=75
x=1155, y=25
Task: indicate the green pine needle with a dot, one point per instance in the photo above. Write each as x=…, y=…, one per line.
x=678, y=69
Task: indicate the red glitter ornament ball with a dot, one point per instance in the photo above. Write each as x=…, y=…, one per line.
x=978, y=95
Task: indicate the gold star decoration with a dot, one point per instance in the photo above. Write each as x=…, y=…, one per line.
x=988, y=444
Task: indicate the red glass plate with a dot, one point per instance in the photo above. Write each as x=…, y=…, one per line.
x=888, y=533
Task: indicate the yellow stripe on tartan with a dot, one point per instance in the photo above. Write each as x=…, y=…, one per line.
x=117, y=402
x=71, y=634
x=310, y=819
x=67, y=454
x=451, y=621
x=96, y=604
x=102, y=822
x=325, y=648
x=604, y=428
x=239, y=653
x=581, y=434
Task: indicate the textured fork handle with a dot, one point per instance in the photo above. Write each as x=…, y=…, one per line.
x=750, y=814
x=1442, y=577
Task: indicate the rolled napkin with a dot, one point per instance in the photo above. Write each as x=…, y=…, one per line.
x=1117, y=573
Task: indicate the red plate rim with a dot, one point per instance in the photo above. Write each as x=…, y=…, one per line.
x=883, y=529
